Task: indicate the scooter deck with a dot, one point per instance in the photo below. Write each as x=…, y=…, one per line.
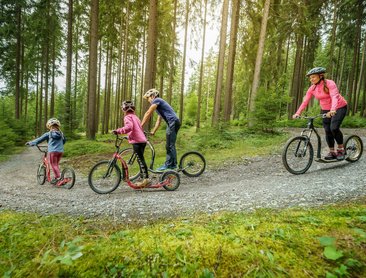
x=322, y=160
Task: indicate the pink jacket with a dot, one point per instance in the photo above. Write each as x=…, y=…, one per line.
x=328, y=101
x=132, y=127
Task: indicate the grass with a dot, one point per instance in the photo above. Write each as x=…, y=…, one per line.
x=15, y=150
x=318, y=242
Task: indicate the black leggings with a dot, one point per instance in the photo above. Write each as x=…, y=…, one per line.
x=139, y=149
x=332, y=125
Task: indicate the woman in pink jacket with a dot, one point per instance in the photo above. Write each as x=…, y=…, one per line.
x=331, y=103
x=132, y=127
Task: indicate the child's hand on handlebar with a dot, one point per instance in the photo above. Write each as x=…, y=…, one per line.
x=115, y=132
x=295, y=116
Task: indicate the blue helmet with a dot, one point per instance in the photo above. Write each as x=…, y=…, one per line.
x=317, y=70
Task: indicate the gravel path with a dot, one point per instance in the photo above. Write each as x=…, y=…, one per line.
x=260, y=182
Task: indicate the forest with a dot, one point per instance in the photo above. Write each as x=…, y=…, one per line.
x=107, y=51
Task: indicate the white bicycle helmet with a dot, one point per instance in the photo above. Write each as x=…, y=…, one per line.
x=53, y=121
x=128, y=105
x=151, y=92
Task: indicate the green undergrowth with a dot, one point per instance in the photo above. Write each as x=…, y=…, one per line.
x=321, y=242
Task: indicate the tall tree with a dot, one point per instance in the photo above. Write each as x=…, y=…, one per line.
x=150, y=68
x=204, y=23
x=231, y=59
x=93, y=68
x=258, y=60
x=18, y=60
x=220, y=66
x=181, y=102
x=68, y=119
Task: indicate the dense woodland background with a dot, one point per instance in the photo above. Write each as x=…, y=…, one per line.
x=115, y=50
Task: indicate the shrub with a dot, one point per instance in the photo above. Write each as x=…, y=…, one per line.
x=7, y=138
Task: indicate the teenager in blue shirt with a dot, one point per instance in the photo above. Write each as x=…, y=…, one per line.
x=165, y=112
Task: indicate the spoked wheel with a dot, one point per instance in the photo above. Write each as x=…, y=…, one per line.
x=297, y=155
x=193, y=164
x=354, y=148
x=67, y=178
x=104, y=177
x=41, y=174
x=172, y=178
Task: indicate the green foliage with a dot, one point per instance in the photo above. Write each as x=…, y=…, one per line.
x=267, y=106
x=354, y=122
x=266, y=243
x=74, y=148
x=7, y=138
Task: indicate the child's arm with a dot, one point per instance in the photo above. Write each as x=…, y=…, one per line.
x=128, y=126
x=38, y=140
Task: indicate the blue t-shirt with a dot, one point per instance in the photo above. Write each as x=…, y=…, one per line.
x=165, y=111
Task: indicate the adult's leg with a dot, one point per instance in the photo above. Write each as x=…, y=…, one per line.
x=54, y=158
x=139, y=149
x=328, y=132
x=335, y=124
x=171, y=138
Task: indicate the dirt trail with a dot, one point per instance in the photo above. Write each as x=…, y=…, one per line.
x=255, y=183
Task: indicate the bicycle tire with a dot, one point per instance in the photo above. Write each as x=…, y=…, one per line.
x=41, y=174
x=192, y=164
x=354, y=148
x=298, y=155
x=174, y=180
x=68, y=175
x=104, y=177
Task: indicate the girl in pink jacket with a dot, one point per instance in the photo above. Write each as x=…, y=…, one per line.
x=332, y=104
x=132, y=127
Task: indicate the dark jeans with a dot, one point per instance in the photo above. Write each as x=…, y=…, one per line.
x=171, y=138
x=139, y=149
x=332, y=125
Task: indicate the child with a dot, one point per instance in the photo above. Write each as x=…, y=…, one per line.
x=132, y=127
x=56, y=140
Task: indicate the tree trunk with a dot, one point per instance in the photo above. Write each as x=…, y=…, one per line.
x=258, y=60
x=181, y=102
x=198, y=117
x=99, y=72
x=172, y=65
x=93, y=68
x=47, y=57
x=231, y=59
x=150, y=68
x=17, y=59
x=295, y=93
x=53, y=58
x=359, y=83
x=220, y=67
x=356, y=57
x=67, y=125
x=332, y=42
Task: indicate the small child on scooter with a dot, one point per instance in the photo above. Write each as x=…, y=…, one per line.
x=56, y=140
x=132, y=127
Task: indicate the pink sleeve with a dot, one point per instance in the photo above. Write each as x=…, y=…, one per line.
x=333, y=93
x=306, y=100
x=127, y=126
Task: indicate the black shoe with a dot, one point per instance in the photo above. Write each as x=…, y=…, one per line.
x=331, y=156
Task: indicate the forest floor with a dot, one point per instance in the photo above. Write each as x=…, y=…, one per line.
x=255, y=182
